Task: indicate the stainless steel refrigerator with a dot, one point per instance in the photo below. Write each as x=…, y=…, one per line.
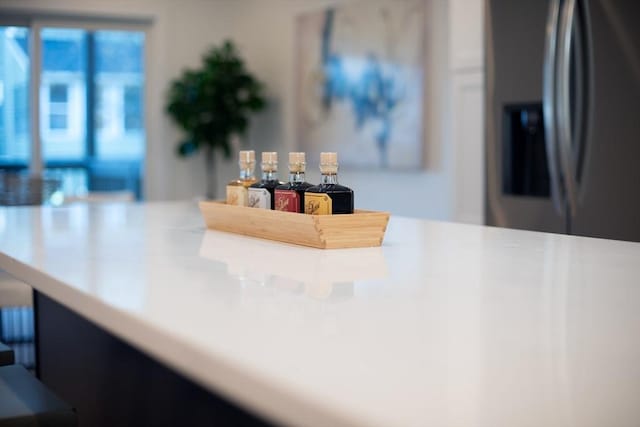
x=563, y=116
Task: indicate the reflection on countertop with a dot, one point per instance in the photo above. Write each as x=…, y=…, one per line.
x=318, y=273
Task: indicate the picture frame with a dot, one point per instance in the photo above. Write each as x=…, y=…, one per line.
x=359, y=70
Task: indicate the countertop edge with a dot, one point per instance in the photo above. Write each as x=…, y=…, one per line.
x=227, y=379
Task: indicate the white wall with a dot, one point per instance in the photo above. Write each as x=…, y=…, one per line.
x=466, y=70
x=451, y=187
x=270, y=54
x=448, y=187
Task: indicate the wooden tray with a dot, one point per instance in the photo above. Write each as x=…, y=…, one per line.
x=358, y=230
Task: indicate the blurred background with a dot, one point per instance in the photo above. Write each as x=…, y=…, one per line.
x=103, y=70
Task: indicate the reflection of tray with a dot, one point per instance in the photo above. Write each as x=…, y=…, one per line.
x=317, y=273
x=300, y=264
x=358, y=230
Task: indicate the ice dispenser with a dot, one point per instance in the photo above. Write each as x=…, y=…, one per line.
x=524, y=157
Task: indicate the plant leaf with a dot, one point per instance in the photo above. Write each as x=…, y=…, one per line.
x=215, y=100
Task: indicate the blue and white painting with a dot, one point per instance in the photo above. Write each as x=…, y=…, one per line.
x=359, y=70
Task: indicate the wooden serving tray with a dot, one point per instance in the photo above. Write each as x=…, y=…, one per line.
x=358, y=230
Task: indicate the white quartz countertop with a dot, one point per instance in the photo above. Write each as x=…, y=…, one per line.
x=444, y=325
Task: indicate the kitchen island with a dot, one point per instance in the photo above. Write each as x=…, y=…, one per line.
x=444, y=325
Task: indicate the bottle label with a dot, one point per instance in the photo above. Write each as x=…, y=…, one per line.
x=237, y=195
x=287, y=201
x=259, y=198
x=318, y=204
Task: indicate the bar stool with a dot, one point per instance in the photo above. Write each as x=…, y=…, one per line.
x=16, y=319
x=6, y=355
x=25, y=401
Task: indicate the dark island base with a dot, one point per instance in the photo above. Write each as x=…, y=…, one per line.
x=110, y=383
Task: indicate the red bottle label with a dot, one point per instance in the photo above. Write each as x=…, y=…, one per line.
x=287, y=200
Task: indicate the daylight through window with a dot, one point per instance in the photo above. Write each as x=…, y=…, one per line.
x=91, y=105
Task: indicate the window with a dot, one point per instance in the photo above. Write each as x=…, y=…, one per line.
x=63, y=117
x=14, y=97
x=2, y=107
x=58, y=99
x=119, y=83
x=21, y=110
x=91, y=86
x=132, y=108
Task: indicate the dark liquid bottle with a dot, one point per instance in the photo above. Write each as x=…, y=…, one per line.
x=261, y=194
x=290, y=196
x=329, y=197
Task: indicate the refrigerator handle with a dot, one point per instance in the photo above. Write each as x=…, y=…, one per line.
x=549, y=100
x=585, y=89
x=565, y=134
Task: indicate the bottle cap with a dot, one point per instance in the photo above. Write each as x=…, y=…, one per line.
x=246, y=158
x=269, y=161
x=297, y=162
x=329, y=162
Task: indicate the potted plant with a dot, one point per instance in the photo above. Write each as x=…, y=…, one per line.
x=213, y=103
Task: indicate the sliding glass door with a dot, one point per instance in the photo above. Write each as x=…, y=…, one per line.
x=84, y=121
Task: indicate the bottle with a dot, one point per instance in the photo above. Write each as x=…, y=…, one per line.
x=290, y=196
x=329, y=197
x=237, y=193
x=261, y=193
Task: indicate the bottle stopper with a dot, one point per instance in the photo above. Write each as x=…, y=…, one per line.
x=297, y=162
x=246, y=158
x=329, y=163
x=269, y=161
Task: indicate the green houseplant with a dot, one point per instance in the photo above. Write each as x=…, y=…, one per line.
x=213, y=103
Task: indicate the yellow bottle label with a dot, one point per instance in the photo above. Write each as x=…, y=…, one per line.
x=237, y=195
x=318, y=204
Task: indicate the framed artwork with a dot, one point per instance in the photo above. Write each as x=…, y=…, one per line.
x=359, y=83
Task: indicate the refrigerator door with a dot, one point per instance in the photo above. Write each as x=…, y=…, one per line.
x=518, y=178
x=608, y=203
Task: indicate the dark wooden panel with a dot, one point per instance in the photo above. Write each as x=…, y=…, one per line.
x=111, y=383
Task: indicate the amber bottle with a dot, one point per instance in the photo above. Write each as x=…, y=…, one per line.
x=237, y=190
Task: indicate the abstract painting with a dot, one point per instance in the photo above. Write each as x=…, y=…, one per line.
x=359, y=83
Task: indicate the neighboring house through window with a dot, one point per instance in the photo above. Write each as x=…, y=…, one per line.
x=58, y=106
x=133, y=120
